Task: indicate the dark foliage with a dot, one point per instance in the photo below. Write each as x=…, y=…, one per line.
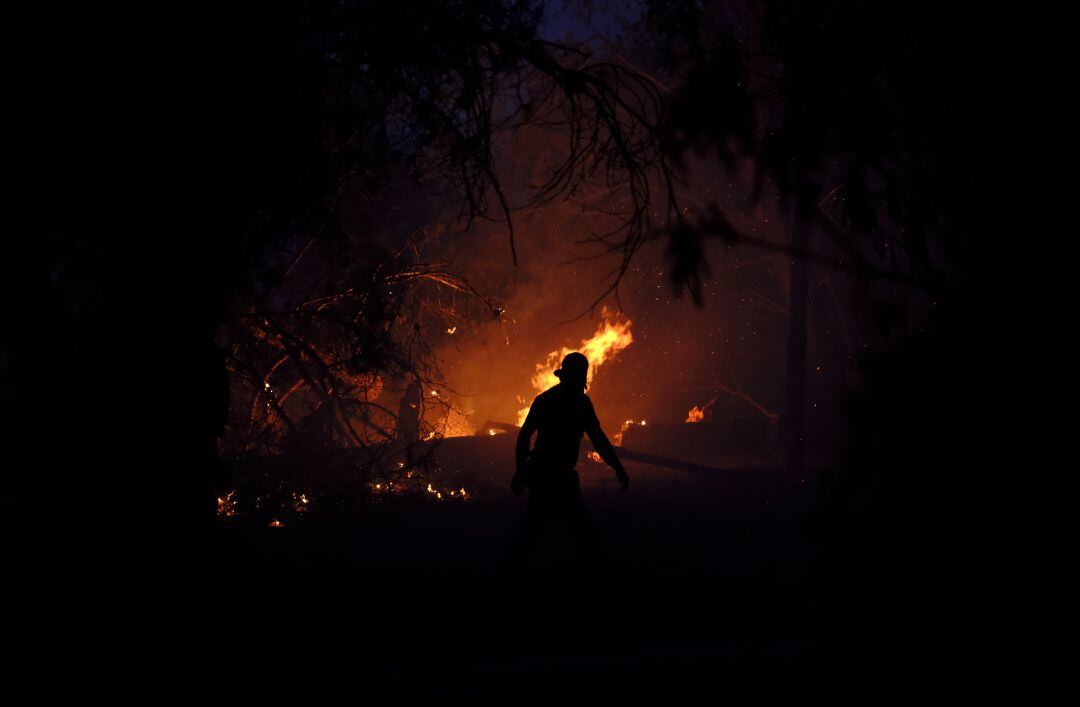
x=939, y=129
x=157, y=153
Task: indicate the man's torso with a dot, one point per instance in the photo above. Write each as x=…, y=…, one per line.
x=561, y=419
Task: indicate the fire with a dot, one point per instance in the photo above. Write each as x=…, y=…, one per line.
x=696, y=414
x=618, y=436
x=226, y=505
x=612, y=336
x=434, y=491
x=447, y=421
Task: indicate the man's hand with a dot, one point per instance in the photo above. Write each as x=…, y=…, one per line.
x=517, y=484
x=624, y=479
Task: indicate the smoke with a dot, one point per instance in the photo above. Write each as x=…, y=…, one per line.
x=678, y=350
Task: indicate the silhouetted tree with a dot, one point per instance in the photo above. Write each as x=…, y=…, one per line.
x=924, y=141
x=157, y=156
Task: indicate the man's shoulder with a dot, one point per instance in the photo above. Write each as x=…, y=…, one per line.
x=542, y=401
x=555, y=396
x=589, y=410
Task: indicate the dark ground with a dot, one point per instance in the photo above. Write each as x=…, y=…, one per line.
x=709, y=591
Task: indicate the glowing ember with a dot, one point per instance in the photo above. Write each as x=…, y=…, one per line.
x=594, y=456
x=276, y=524
x=610, y=338
x=696, y=414
x=430, y=489
x=300, y=502
x=492, y=432
x=226, y=505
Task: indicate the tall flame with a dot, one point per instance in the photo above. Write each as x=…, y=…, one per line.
x=612, y=336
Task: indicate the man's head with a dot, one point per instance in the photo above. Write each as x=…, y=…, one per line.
x=574, y=370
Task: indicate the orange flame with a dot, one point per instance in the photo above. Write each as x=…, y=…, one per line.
x=696, y=414
x=226, y=505
x=617, y=437
x=612, y=336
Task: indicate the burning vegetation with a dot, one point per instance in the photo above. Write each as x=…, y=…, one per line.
x=356, y=353
x=611, y=337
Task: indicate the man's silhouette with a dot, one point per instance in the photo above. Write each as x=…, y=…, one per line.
x=559, y=416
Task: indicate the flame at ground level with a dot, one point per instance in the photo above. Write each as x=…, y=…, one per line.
x=610, y=338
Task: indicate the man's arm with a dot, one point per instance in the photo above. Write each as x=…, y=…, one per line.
x=604, y=448
x=521, y=451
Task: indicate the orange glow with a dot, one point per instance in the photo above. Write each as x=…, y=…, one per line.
x=696, y=414
x=612, y=336
x=618, y=436
x=226, y=506
x=300, y=502
x=447, y=421
x=276, y=524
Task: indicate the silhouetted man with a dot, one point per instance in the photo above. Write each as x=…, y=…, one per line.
x=559, y=416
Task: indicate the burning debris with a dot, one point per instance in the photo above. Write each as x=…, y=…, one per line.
x=432, y=490
x=279, y=491
x=300, y=504
x=226, y=505
x=617, y=438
